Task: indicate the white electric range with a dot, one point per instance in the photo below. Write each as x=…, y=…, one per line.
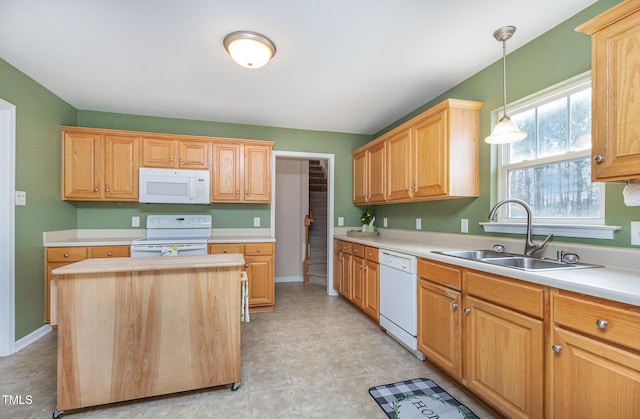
x=175, y=235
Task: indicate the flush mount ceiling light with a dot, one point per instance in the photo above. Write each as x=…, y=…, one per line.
x=249, y=49
x=506, y=131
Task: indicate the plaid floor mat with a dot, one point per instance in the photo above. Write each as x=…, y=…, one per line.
x=418, y=398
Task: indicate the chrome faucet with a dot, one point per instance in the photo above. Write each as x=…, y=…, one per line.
x=529, y=247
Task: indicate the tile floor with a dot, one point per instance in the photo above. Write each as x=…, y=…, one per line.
x=315, y=356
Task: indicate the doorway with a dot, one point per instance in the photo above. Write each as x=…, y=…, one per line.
x=7, y=227
x=290, y=204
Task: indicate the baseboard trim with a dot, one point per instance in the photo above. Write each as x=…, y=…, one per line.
x=289, y=279
x=31, y=337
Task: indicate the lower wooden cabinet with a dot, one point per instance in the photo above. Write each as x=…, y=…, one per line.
x=56, y=257
x=259, y=265
x=356, y=275
x=371, y=304
x=596, y=358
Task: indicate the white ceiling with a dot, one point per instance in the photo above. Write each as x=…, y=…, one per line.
x=341, y=65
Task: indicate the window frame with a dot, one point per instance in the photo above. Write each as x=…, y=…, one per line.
x=534, y=101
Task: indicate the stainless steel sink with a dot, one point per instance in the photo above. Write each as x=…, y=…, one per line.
x=508, y=260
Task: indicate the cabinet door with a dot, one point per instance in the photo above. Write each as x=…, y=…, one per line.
x=440, y=326
x=345, y=275
x=360, y=174
x=82, y=166
x=505, y=358
x=398, y=166
x=159, y=152
x=357, y=283
x=225, y=182
x=121, y=168
x=194, y=155
x=616, y=102
x=257, y=173
x=375, y=169
x=430, y=156
x=337, y=270
x=594, y=379
x=261, y=285
x=371, y=304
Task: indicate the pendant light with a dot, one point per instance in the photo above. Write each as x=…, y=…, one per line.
x=249, y=49
x=506, y=131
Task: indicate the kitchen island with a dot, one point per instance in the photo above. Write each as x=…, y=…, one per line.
x=130, y=328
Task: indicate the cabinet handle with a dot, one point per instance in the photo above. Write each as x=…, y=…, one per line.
x=467, y=310
x=66, y=255
x=259, y=250
x=406, y=189
x=369, y=254
x=602, y=324
x=170, y=158
x=237, y=192
x=246, y=265
x=224, y=251
x=95, y=189
x=181, y=160
x=356, y=251
x=556, y=348
x=413, y=187
x=598, y=158
x=454, y=305
x=108, y=253
x=246, y=193
x=106, y=189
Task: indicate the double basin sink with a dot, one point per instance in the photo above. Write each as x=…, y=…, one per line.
x=526, y=263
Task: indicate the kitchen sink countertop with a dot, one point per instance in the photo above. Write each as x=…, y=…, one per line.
x=618, y=283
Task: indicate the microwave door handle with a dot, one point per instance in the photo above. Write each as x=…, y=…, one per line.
x=192, y=188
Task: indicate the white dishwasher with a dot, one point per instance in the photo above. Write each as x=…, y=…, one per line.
x=399, y=298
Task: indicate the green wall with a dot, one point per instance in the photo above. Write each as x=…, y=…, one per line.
x=556, y=56
x=39, y=114
x=118, y=215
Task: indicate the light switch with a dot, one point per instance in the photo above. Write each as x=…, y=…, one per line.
x=340, y=221
x=635, y=233
x=418, y=223
x=135, y=221
x=21, y=198
x=256, y=221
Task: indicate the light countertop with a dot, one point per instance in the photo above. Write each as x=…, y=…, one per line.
x=151, y=264
x=615, y=283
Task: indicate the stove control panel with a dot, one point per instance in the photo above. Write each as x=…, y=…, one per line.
x=178, y=221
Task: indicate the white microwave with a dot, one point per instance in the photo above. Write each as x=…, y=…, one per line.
x=172, y=186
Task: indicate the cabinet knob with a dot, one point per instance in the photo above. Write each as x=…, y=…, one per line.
x=369, y=254
x=181, y=160
x=108, y=253
x=602, y=324
x=170, y=158
x=556, y=348
x=454, y=305
x=406, y=189
x=106, y=189
x=237, y=192
x=246, y=193
x=224, y=251
x=413, y=187
x=467, y=310
x=356, y=251
x=259, y=250
x=246, y=265
x=66, y=255
x=598, y=158
x=95, y=189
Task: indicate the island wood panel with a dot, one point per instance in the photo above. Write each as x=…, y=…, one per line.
x=127, y=335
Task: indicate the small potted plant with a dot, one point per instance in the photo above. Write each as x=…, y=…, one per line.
x=367, y=219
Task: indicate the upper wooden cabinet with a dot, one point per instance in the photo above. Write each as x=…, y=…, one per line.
x=241, y=172
x=175, y=154
x=102, y=164
x=433, y=156
x=615, y=67
x=99, y=166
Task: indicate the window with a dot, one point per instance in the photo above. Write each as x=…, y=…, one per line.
x=551, y=168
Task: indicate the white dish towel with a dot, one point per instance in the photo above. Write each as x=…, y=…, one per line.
x=244, y=295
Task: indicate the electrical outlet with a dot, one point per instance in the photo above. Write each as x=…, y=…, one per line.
x=256, y=221
x=21, y=198
x=340, y=221
x=418, y=223
x=635, y=233
x=384, y=222
x=464, y=225
x=135, y=221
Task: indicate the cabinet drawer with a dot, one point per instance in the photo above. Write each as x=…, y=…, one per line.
x=66, y=254
x=371, y=253
x=357, y=250
x=109, y=252
x=440, y=274
x=218, y=249
x=345, y=247
x=584, y=315
x=520, y=296
x=337, y=244
x=258, y=249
